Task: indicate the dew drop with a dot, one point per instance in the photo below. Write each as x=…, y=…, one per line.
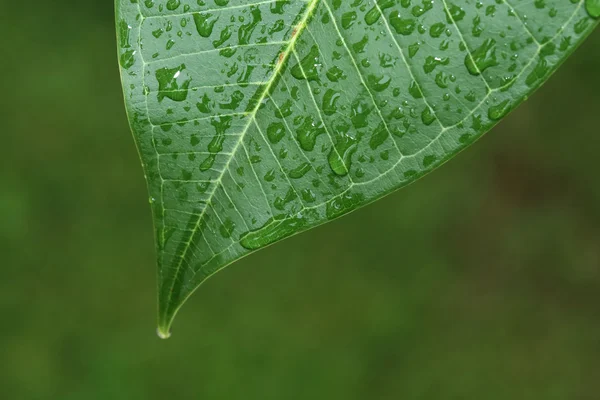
x=340, y=156
x=403, y=26
x=379, y=82
x=205, y=23
x=343, y=204
x=593, y=8
x=372, y=16
x=273, y=230
x=348, y=19
x=482, y=58
x=309, y=66
x=170, y=83
x=329, y=101
x=161, y=334
x=499, y=110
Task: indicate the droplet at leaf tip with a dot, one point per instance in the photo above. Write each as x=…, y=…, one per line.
x=163, y=333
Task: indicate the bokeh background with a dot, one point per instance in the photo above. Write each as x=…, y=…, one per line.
x=481, y=281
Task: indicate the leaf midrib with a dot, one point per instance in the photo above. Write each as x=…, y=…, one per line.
x=311, y=5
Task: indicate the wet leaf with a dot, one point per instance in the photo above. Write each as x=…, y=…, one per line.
x=258, y=120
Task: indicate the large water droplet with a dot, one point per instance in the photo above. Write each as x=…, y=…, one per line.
x=593, y=8
x=340, y=156
x=300, y=171
x=348, y=19
x=275, y=132
x=307, y=133
x=427, y=116
x=372, y=16
x=330, y=99
x=170, y=83
x=456, y=13
x=205, y=23
x=309, y=66
x=499, y=110
x=403, y=26
x=379, y=82
x=245, y=31
x=482, y=58
x=334, y=74
x=275, y=229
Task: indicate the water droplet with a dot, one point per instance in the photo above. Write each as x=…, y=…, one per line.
x=593, y=8
x=227, y=228
x=342, y=204
x=245, y=31
x=538, y=74
x=359, y=112
x=581, y=25
x=379, y=82
x=427, y=116
x=273, y=230
x=457, y=13
x=334, y=74
x=428, y=160
x=307, y=133
x=234, y=101
x=223, y=36
x=482, y=58
x=162, y=334
x=205, y=23
x=308, y=196
x=270, y=176
x=403, y=26
x=300, y=171
x=417, y=11
x=290, y=196
x=329, y=99
x=432, y=62
x=278, y=7
x=308, y=66
x=437, y=29
x=128, y=59
x=172, y=5
x=170, y=85
x=275, y=132
x=378, y=137
x=348, y=19
x=340, y=155
x=372, y=16
x=499, y=110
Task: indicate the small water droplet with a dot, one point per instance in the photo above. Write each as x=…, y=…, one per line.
x=273, y=230
x=499, y=110
x=162, y=334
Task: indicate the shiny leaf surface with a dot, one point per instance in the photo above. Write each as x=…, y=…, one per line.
x=256, y=120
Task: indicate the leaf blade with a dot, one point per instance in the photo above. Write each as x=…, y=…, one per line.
x=310, y=109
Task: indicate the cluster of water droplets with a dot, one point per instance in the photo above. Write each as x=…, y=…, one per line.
x=257, y=121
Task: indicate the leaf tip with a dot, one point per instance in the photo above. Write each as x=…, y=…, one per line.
x=163, y=332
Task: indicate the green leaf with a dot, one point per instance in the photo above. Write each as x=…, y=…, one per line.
x=258, y=120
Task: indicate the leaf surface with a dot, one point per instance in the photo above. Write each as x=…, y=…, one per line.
x=256, y=120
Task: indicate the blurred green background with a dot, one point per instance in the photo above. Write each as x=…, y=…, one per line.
x=481, y=281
